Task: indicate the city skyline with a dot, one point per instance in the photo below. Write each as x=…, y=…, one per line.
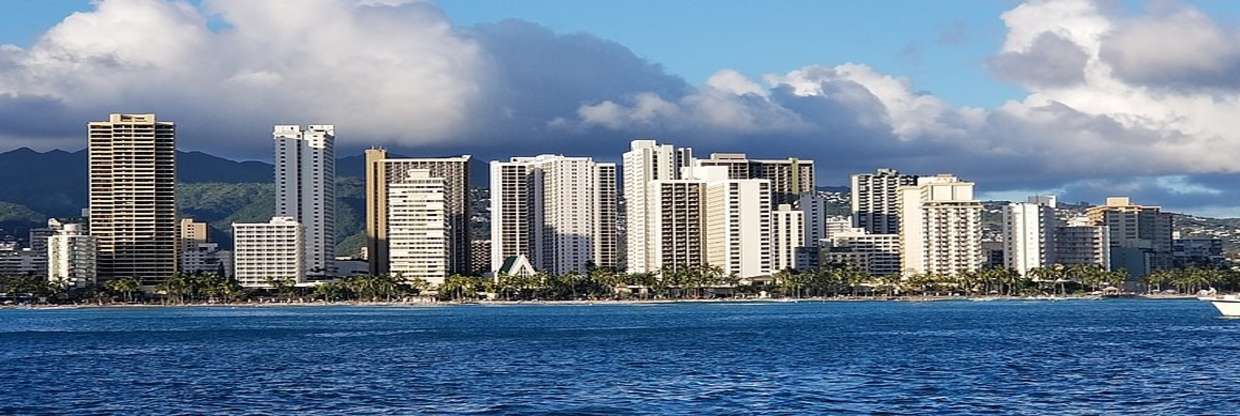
x=1114, y=112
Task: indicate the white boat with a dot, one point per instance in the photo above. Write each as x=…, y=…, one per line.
x=1228, y=305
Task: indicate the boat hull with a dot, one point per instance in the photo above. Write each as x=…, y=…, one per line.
x=1226, y=307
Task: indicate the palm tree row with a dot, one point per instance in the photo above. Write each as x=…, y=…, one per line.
x=599, y=283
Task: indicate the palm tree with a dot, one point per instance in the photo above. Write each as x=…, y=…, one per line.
x=125, y=286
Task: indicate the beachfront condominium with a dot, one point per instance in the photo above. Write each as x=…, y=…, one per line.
x=813, y=206
x=646, y=162
x=1079, y=241
x=418, y=227
x=737, y=222
x=940, y=226
x=133, y=205
x=305, y=175
x=789, y=178
x=787, y=237
x=270, y=251
x=1029, y=234
x=71, y=257
x=674, y=231
x=875, y=198
x=875, y=254
x=382, y=171
x=558, y=211
x=1140, y=235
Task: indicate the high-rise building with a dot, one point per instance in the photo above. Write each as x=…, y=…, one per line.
x=940, y=226
x=1140, y=235
x=737, y=221
x=270, y=250
x=133, y=206
x=1081, y=242
x=71, y=257
x=305, y=175
x=789, y=178
x=674, y=236
x=381, y=172
x=787, y=236
x=1029, y=234
x=874, y=200
x=417, y=227
x=558, y=211
x=874, y=254
x=646, y=162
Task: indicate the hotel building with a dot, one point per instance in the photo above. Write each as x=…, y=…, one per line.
x=382, y=171
x=133, y=206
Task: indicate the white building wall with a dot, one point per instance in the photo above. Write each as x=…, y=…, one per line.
x=940, y=226
x=71, y=257
x=1028, y=236
x=418, y=227
x=787, y=235
x=271, y=250
x=645, y=162
x=558, y=211
x=737, y=222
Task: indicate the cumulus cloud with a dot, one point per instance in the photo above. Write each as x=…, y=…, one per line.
x=1050, y=61
x=1111, y=95
x=389, y=72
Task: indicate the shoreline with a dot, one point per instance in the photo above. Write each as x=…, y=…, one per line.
x=604, y=302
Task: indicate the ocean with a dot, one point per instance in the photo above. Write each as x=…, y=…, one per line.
x=958, y=357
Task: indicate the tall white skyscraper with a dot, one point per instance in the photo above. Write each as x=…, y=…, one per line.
x=787, y=235
x=418, y=227
x=1029, y=234
x=940, y=226
x=646, y=162
x=874, y=200
x=305, y=174
x=133, y=205
x=558, y=211
x=738, y=224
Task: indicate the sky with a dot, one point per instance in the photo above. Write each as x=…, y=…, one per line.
x=1081, y=98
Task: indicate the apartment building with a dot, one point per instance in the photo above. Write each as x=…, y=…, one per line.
x=133, y=205
x=382, y=171
x=270, y=250
x=418, y=227
x=305, y=178
x=875, y=199
x=558, y=211
x=940, y=226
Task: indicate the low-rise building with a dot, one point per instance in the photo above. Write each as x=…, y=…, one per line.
x=206, y=258
x=875, y=254
x=268, y=251
x=71, y=257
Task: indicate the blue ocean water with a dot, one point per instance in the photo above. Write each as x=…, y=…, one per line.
x=1067, y=357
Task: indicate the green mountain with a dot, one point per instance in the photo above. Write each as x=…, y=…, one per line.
x=212, y=189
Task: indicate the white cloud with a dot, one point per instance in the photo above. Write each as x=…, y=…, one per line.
x=386, y=72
